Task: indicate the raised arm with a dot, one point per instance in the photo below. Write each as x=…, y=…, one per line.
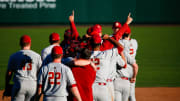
x=117, y=36
x=75, y=33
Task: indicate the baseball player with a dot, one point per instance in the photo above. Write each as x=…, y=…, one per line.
x=54, y=40
x=125, y=76
x=84, y=75
x=25, y=65
x=130, y=46
x=102, y=60
x=55, y=77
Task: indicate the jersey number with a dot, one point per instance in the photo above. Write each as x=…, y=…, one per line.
x=28, y=66
x=56, y=79
x=131, y=51
x=96, y=61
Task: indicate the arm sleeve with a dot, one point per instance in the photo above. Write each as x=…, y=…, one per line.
x=119, y=34
x=40, y=76
x=70, y=78
x=39, y=62
x=75, y=33
x=107, y=44
x=120, y=61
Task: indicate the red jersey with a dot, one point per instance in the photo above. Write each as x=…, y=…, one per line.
x=84, y=77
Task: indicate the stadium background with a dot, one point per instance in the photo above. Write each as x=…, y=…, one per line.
x=155, y=26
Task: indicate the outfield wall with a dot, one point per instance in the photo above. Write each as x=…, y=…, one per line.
x=88, y=11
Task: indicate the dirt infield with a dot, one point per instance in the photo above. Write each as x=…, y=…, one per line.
x=148, y=94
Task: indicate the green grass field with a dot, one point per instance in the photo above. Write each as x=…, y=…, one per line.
x=157, y=56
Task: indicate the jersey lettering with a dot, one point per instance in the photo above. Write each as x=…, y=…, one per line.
x=56, y=79
x=28, y=66
x=131, y=51
x=96, y=61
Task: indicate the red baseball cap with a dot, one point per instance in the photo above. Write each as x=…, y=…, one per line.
x=54, y=36
x=117, y=25
x=25, y=39
x=97, y=28
x=57, y=50
x=128, y=30
x=96, y=38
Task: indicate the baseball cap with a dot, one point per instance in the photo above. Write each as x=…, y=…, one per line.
x=117, y=25
x=128, y=30
x=54, y=36
x=96, y=39
x=57, y=50
x=97, y=28
x=25, y=39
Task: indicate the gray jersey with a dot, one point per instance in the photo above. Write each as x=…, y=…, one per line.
x=46, y=51
x=102, y=60
x=25, y=64
x=130, y=48
x=54, y=78
x=114, y=62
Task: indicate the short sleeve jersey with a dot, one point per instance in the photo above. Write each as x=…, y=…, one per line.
x=25, y=64
x=54, y=78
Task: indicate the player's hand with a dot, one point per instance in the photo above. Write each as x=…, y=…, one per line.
x=129, y=19
x=105, y=36
x=133, y=80
x=71, y=17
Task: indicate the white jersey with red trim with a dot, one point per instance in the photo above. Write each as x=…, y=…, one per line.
x=102, y=60
x=46, y=51
x=25, y=64
x=54, y=78
x=130, y=48
x=112, y=69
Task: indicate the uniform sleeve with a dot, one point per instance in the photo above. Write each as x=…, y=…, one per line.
x=107, y=44
x=119, y=34
x=40, y=76
x=70, y=78
x=75, y=33
x=39, y=62
x=120, y=61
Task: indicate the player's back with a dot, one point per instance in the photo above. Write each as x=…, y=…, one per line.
x=46, y=51
x=102, y=60
x=26, y=64
x=57, y=78
x=133, y=47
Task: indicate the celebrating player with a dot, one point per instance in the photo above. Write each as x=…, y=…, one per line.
x=102, y=60
x=84, y=74
x=55, y=77
x=25, y=65
x=130, y=53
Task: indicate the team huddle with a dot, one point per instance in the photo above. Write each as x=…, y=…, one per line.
x=95, y=67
